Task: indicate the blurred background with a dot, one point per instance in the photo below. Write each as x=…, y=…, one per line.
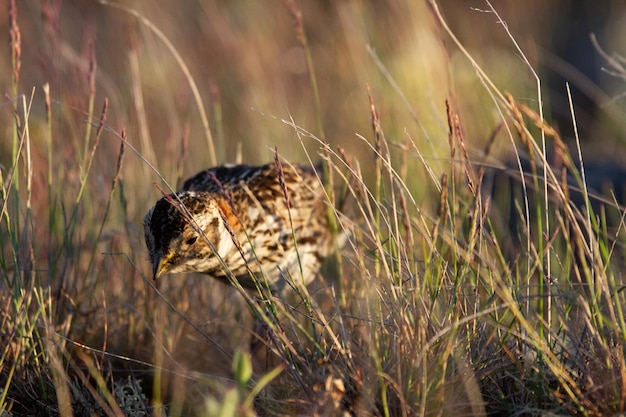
x=250, y=70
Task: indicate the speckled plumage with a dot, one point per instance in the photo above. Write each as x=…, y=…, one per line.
x=243, y=213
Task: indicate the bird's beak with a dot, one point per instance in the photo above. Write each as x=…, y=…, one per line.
x=161, y=265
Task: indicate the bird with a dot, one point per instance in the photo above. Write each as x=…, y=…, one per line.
x=263, y=226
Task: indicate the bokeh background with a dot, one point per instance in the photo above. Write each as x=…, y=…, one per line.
x=251, y=71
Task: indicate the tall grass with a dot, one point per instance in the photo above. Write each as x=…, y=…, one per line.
x=436, y=304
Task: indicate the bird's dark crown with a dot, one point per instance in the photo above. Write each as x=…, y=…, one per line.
x=169, y=218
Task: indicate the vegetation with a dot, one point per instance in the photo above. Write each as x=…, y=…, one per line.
x=452, y=295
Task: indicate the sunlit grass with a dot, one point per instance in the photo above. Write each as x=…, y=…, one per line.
x=435, y=304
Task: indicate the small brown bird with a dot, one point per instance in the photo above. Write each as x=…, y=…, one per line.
x=267, y=221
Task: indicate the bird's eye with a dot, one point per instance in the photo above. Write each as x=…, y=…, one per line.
x=191, y=240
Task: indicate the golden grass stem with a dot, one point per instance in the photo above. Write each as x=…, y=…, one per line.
x=184, y=68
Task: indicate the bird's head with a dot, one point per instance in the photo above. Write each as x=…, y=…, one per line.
x=184, y=230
